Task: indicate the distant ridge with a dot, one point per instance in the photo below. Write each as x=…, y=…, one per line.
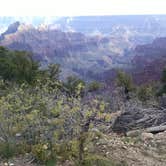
x=87, y=46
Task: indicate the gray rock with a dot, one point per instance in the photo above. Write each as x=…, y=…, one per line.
x=134, y=133
x=146, y=136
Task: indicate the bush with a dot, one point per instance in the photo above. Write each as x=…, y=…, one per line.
x=145, y=92
x=46, y=122
x=41, y=115
x=125, y=80
x=162, y=89
x=7, y=150
x=94, y=86
x=17, y=66
x=44, y=153
x=74, y=87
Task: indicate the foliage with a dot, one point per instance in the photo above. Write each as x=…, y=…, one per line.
x=44, y=153
x=17, y=66
x=124, y=80
x=54, y=120
x=7, y=150
x=94, y=86
x=53, y=71
x=74, y=86
x=163, y=77
x=43, y=118
x=43, y=115
x=145, y=92
x=162, y=90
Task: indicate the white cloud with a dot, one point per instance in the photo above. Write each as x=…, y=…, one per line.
x=80, y=7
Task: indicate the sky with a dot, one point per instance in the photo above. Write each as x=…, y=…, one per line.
x=80, y=7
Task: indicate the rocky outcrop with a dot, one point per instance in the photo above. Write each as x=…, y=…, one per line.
x=149, y=61
x=11, y=29
x=146, y=63
x=48, y=42
x=91, y=57
x=74, y=51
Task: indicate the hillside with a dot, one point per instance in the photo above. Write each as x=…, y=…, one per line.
x=70, y=97
x=145, y=63
x=149, y=61
x=121, y=151
x=75, y=52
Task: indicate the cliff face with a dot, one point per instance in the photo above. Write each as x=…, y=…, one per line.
x=145, y=64
x=149, y=61
x=92, y=56
x=47, y=42
x=11, y=29
x=77, y=53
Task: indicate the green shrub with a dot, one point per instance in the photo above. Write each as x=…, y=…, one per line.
x=43, y=153
x=74, y=87
x=18, y=66
x=145, y=92
x=7, y=150
x=94, y=86
x=68, y=150
x=125, y=81
x=162, y=89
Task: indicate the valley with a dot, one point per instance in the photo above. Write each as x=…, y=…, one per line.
x=83, y=91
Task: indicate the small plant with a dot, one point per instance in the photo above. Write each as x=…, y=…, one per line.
x=7, y=150
x=124, y=80
x=145, y=92
x=43, y=153
x=74, y=87
x=94, y=86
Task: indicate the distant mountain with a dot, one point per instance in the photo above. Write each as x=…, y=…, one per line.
x=149, y=61
x=145, y=65
x=146, y=24
x=11, y=29
x=76, y=52
x=85, y=46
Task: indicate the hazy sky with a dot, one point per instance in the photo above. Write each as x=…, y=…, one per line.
x=80, y=7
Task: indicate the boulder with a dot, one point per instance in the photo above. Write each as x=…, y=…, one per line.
x=133, y=133
x=146, y=136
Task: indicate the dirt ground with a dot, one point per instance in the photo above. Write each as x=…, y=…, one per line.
x=133, y=151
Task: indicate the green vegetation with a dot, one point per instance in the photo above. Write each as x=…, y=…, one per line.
x=41, y=115
x=53, y=71
x=51, y=119
x=163, y=84
x=94, y=86
x=17, y=66
x=125, y=81
x=39, y=119
x=74, y=87
x=146, y=92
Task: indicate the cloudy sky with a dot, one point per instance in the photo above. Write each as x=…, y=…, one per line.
x=80, y=7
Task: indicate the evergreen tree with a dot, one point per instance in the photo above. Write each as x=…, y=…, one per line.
x=17, y=66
